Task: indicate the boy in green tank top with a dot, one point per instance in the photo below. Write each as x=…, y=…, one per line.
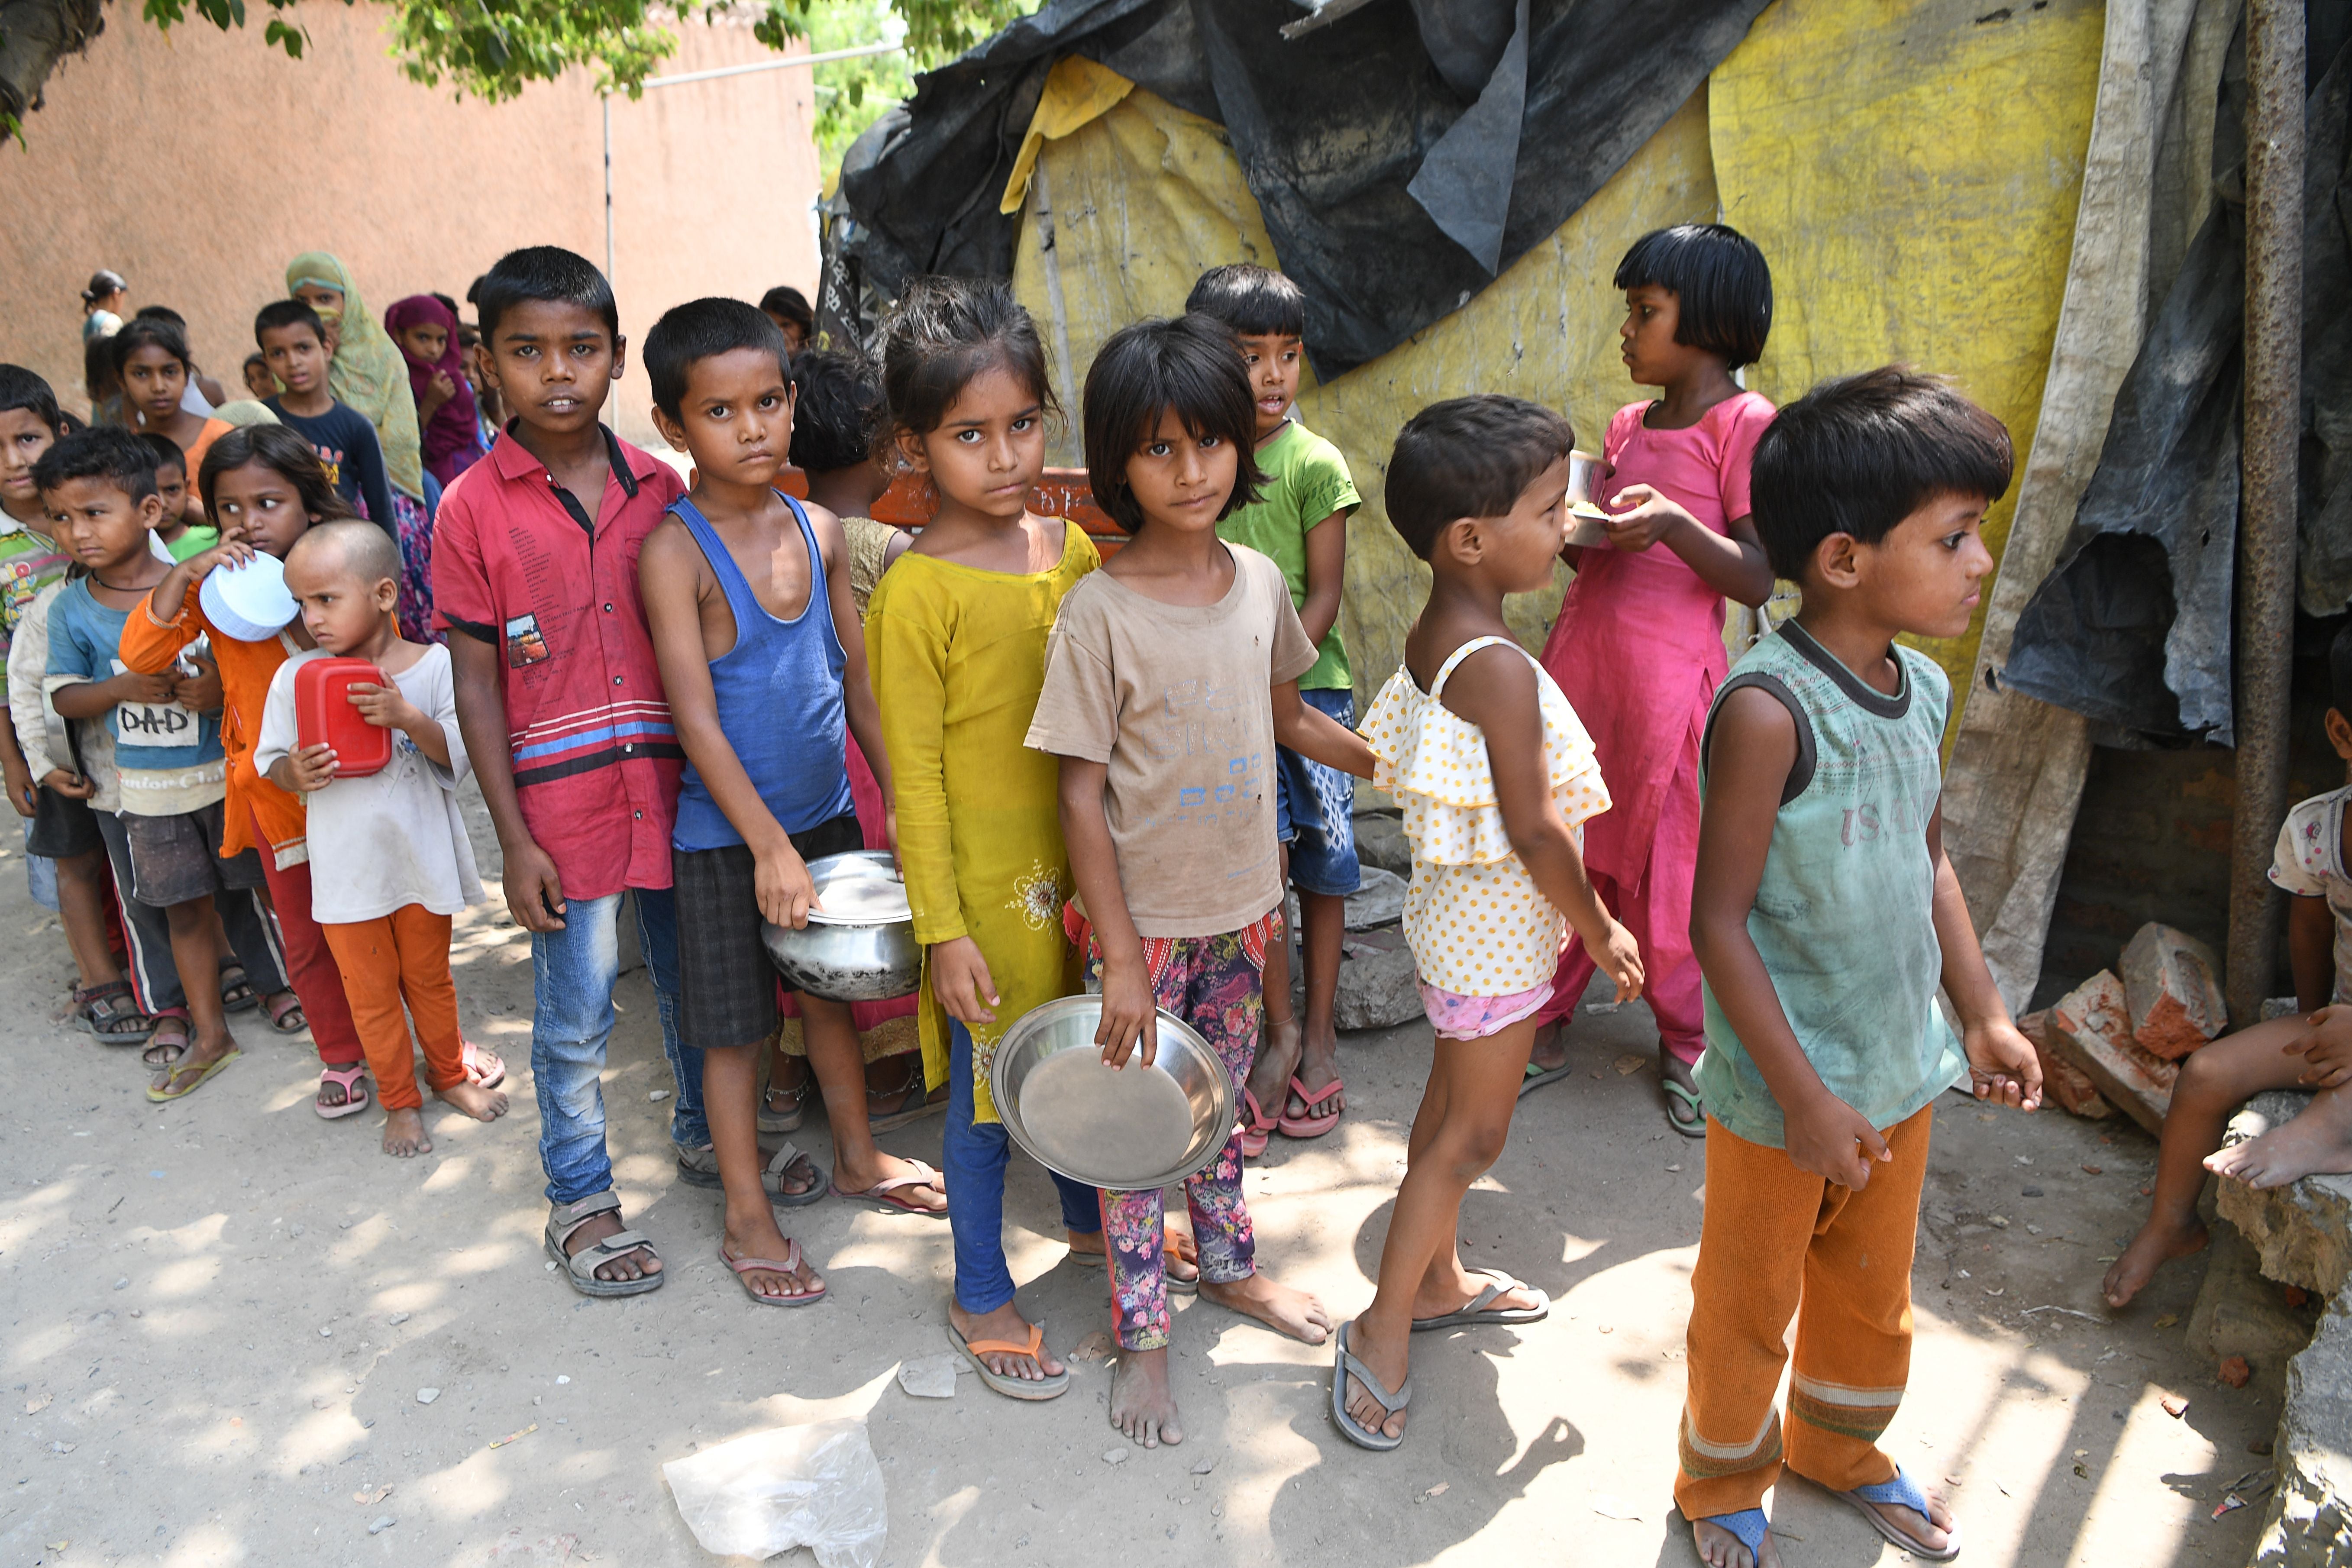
x=1826, y=916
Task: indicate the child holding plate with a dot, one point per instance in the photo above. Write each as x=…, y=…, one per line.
x=1171, y=675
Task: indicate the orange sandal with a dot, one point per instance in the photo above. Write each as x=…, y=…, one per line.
x=1012, y=1387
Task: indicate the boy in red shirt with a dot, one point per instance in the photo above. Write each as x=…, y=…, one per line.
x=561, y=704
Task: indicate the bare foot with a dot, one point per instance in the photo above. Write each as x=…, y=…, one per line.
x=1278, y=1307
x=1004, y=1323
x=404, y=1135
x=637, y=1263
x=1550, y=1052
x=1142, y=1405
x=1718, y=1548
x=1389, y=1360
x=481, y=1104
x=2318, y=1142
x=930, y=1197
x=1932, y=1532
x=753, y=1234
x=2159, y=1241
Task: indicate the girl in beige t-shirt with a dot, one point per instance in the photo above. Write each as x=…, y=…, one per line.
x=1171, y=675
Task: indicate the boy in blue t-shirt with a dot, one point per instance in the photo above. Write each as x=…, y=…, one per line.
x=1826, y=916
x=1300, y=520
x=98, y=485
x=294, y=344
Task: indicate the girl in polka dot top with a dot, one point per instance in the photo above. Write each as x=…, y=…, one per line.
x=1496, y=776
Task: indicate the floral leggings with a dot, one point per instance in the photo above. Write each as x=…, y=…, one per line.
x=414, y=529
x=1213, y=983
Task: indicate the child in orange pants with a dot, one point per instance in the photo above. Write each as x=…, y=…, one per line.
x=390, y=860
x=1826, y=916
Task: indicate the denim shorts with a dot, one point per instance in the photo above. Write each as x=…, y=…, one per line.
x=1315, y=809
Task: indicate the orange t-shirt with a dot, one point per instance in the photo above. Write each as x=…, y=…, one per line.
x=149, y=645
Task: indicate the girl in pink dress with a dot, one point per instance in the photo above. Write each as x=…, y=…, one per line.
x=1638, y=647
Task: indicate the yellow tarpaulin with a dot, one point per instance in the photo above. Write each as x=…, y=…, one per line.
x=1138, y=203
x=1912, y=171
x=1078, y=91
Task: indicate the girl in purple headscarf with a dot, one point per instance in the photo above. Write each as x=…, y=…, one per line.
x=427, y=335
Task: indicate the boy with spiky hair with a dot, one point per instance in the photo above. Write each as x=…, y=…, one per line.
x=1825, y=917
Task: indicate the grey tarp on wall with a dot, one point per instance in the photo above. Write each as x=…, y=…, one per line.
x=2132, y=627
x=1401, y=155
x=2017, y=765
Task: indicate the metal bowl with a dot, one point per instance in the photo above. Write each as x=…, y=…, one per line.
x=1130, y=1129
x=860, y=946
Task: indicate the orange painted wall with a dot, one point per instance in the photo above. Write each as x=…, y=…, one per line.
x=198, y=165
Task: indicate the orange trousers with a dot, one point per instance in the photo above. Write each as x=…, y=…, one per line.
x=1778, y=1242
x=404, y=954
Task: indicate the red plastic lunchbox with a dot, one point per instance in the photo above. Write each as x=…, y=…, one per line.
x=323, y=713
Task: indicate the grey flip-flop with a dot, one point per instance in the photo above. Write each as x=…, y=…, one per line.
x=1476, y=1311
x=1345, y=1366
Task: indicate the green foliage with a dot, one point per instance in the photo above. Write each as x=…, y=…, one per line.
x=494, y=49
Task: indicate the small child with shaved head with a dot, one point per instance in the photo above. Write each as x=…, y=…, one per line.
x=391, y=862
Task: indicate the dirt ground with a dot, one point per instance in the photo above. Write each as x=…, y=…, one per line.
x=219, y=1314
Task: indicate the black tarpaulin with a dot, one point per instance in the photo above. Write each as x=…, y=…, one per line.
x=2132, y=627
x=1402, y=155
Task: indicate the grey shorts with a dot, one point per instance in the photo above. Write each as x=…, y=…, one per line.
x=727, y=988
x=63, y=826
x=177, y=860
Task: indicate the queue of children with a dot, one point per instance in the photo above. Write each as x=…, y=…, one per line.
x=1094, y=774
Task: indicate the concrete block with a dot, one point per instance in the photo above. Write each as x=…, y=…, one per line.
x=1377, y=985
x=2303, y=1231
x=2239, y=1312
x=2062, y=1080
x=2310, y=1519
x=2091, y=1028
x=1380, y=841
x=2168, y=985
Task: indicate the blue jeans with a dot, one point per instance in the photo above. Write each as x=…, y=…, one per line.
x=1315, y=809
x=571, y=976
x=973, y=1156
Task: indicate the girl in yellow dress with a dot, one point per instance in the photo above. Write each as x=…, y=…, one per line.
x=955, y=640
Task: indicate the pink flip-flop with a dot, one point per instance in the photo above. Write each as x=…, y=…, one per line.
x=1310, y=1126
x=485, y=1069
x=885, y=1192
x=356, y=1097
x=790, y=1266
x=1255, y=1126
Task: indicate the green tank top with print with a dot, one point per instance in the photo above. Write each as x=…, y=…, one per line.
x=1843, y=916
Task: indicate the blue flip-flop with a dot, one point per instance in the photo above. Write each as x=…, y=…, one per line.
x=1903, y=1493
x=1748, y=1525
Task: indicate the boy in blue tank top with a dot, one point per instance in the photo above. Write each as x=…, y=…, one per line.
x=745, y=590
x=1826, y=916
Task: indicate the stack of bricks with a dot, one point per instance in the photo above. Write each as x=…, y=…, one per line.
x=2125, y=1035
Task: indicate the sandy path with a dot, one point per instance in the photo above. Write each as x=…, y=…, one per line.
x=218, y=1315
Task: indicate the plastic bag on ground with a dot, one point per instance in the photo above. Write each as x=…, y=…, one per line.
x=816, y=1485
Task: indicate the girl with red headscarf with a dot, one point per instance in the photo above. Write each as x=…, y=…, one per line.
x=427, y=335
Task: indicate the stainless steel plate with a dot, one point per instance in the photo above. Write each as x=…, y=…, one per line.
x=1128, y=1129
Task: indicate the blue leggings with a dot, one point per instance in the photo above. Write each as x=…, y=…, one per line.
x=974, y=1156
